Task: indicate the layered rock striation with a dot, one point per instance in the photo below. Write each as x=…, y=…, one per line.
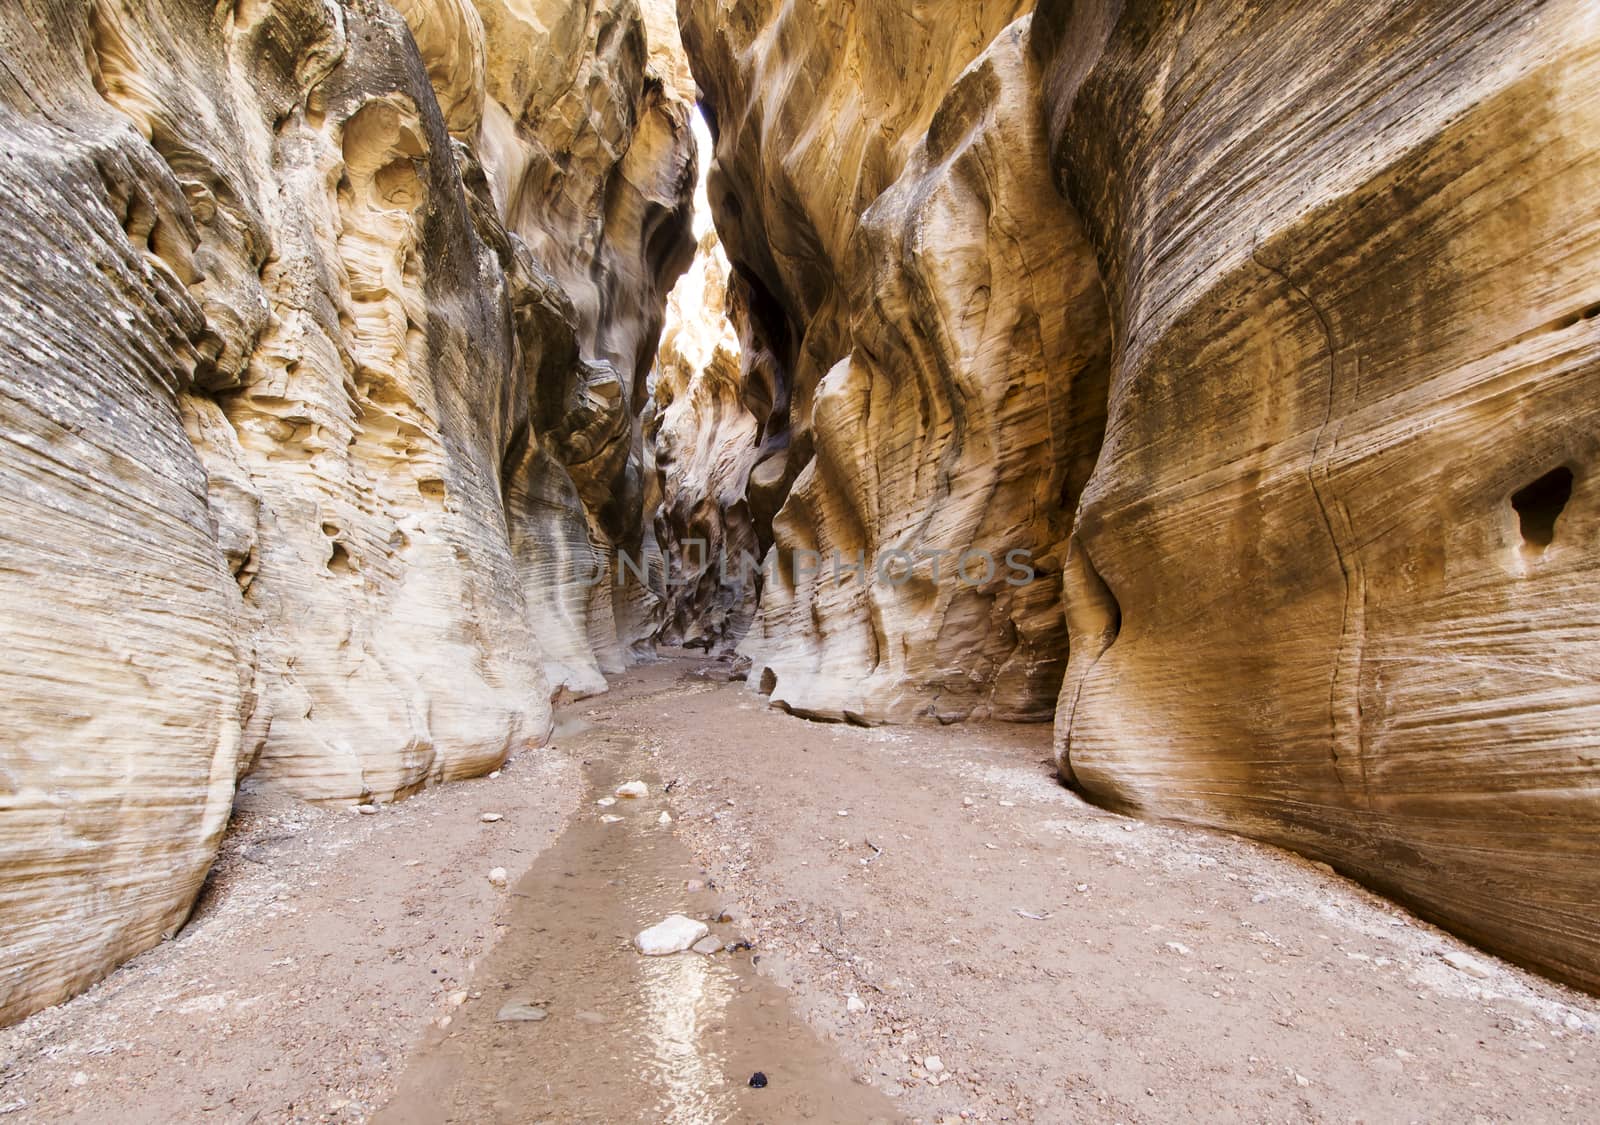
x=1316, y=307
x=703, y=444
x=324, y=336
x=1333, y=581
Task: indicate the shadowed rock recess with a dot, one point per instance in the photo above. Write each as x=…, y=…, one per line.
x=1290, y=390
x=338, y=357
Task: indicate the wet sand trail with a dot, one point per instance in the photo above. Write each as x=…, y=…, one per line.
x=624, y=1037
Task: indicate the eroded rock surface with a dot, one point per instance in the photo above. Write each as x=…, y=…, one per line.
x=953, y=441
x=815, y=109
x=315, y=335
x=1330, y=581
x=1334, y=578
x=703, y=444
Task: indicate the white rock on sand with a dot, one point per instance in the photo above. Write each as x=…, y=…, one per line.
x=673, y=934
x=633, y=789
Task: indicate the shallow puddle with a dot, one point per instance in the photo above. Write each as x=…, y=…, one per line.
x=626, y=1037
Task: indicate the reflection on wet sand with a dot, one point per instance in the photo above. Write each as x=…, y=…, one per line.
x=627, y=1037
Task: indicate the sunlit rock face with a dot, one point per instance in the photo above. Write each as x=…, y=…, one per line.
x=924, y=345
x=590, y=160
x=815, y=110
x=704, y=446
x=306, y=418
x=1334, y=580
x=951, y=443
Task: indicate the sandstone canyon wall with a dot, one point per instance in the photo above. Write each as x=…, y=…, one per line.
x=925, y=348
x=1335, y=578
x=324, y=336
x=703, y=443
x=1322, y=278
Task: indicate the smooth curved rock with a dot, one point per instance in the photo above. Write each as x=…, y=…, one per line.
x=952, y=443
x=815, y=109
x=1334, y=581
x=703, y=444
x=286, y=432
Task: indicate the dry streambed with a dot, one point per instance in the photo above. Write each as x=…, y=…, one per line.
x=938, y=932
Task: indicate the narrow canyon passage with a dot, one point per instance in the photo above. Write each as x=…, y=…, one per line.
x=1059, y=961
x=1055, y=544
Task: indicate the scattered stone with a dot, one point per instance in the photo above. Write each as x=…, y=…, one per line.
x=933, y=1064
x=1574, y=1022
x=1008, y=804
x=1468, y=964
x=844, y=812
x=491, y=817
x=520, y=1011
x=664, y=819
x=673, y=934
x=608, y=819
x=498, y=877
x=758, y=1081
x=633, y=790
x=695, y=885
x=79, y=1078
x=968, y=802
x=708, y=945
x=367, y=810
x=457, y=999
x=854, y=1003
x=1179, y=948
x=1082, y=888
x=494, y=775
x=1325, y=868
x=606, y=802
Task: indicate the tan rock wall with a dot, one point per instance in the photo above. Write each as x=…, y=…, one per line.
x=704, y=444
x=1354, y=291
x=287, y=433
x=815, y=109
x=952, y=442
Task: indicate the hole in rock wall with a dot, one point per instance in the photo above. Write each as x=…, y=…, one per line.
x=1539, y=505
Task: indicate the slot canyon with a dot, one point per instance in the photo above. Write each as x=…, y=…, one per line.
x=741, y=560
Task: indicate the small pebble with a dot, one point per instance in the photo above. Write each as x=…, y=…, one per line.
x=1468, y=964
x=758, y=1080
x=491, y=817
x=498, y=877
x=633, y=789
x=367, y=810
x=520, y=1011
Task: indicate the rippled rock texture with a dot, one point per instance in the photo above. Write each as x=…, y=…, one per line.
x=704, y=444
x=323, y=349
x=1331, y=581
x=926, y=350
x=815, y=109
x=950, y=444
x=1335, y=579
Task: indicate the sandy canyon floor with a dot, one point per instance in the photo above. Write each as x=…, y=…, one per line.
x=937, y=929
